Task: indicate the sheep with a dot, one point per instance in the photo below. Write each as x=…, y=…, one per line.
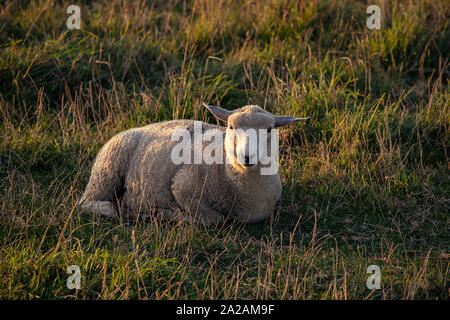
x=133, y=175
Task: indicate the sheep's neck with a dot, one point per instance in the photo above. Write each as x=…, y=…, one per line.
x=247, y=181
x=256, y=194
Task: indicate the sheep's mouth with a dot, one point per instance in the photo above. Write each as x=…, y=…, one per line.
x=249, y=165
x=244, y=165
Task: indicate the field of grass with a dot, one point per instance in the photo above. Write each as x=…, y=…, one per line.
x=366, y=181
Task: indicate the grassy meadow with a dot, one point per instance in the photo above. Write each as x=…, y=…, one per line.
x=365, y=182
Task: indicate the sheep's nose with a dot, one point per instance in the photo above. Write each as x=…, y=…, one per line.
x=247, y=162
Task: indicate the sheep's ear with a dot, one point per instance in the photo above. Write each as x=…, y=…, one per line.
x=219, y=113
x=285, y=120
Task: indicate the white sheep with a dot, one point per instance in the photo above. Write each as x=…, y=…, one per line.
x=133, y=174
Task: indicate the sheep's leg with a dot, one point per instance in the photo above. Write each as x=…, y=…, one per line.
x=206, y=216
x=105, y=208
x=106, y=183
x=189, y=188
x=196, y=211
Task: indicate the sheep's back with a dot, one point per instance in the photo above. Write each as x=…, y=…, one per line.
x=151, y=170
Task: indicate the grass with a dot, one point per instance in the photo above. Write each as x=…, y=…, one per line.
x=365, y=182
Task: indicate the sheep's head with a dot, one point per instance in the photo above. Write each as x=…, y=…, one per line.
x=250, y=136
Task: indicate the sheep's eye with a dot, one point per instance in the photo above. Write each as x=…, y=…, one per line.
x=269, y=130
x=231, y=127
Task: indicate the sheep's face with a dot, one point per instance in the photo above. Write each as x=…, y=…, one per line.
x=250, y=138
